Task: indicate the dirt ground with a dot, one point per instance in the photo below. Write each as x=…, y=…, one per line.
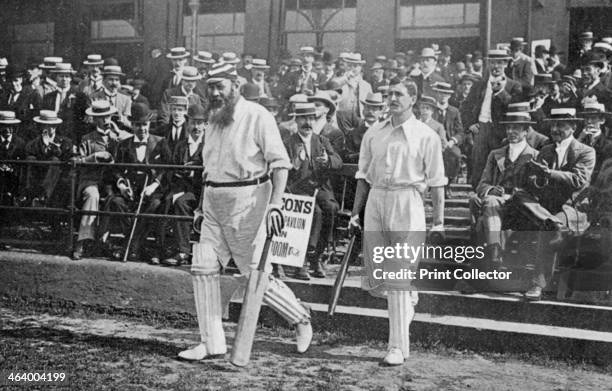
x=122, y=354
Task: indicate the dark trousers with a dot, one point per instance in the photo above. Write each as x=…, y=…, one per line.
x=326, y=208
x=183, y=206
x=117, y=203
x=452, y=162
x=42, y=180
x=487, y=139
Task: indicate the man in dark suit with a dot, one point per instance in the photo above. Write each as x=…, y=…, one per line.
x=24, y=102
x=562, y=170
x=313, y=159
x=185, y=185
x=186, y=88
x=12, y=147
x=178, y=57
x=373, y=110
x=99, y=145
x=428, y=75
x=594, y=134
x=110, y=92
x=48, y=185
x=521, y=67
x=130, y=185
x=534, y=138
x=450, y=118
x=592, y=86
x=176, y=129
x=485, y=106
x=504, y=172
x=326, y=108
x=67, y=101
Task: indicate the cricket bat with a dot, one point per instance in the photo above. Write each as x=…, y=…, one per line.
x=341, y=277
x=251, y=305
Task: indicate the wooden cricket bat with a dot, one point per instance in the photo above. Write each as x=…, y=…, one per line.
x=251, y=306
x=333, y=301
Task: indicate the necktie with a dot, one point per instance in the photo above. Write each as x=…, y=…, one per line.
x=140, y=144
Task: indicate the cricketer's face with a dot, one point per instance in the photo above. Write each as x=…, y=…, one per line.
x=399, y=100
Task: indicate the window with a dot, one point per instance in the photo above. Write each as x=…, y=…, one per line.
x=220, y=25
x=115, y=19
x=327, y=23
x=444, y=20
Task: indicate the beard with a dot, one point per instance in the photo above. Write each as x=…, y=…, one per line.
x=220, y=111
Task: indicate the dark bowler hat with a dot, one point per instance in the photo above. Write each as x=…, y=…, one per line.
x=112, y=70
x=541, y=49
x=140, y=113
x=8, y=118
x=100, y=108
x=250, y=91
x=567, y=114
x=13, y=72
x=196, y=112
x=517, y=117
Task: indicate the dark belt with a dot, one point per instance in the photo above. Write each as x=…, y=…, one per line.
x=252, y=182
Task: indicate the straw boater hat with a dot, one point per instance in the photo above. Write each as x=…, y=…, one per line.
x=100, y=108
x=429, y=101
x=177, y=53
x=374, y=99
x=229, y=58
x=594, y=108
x=63, y=68
x=442, y=87
x=3, y=63
x=268, y=102
x=307, y=50
x=179, y=101
x=524, y=107
x=204, y=57
x=304, y=109
x=8, y=118
x=498, y=54
x=543, y=78
x=112, y=70
x=93, y=59
x=376, y=66
x=323, y=96
x=50, y=62
x=587, y=35
x=48, y=117
x=259, y=63
x=221, y=71
x=565, y=114
x=354, y=58
x=190, y=74
x=517, y=117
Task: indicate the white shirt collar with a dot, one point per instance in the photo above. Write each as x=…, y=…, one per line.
x=137, y=140
x=563, y=144
x=514, y=150
x=190, y=140
x=8, y=139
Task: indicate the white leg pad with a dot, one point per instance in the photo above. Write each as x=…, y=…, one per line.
x=207, y=293
x=401, y=312
x=282, y=300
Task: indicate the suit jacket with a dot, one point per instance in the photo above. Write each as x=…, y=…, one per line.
x=603, y=149
x=334, y=135
x=122, y=103
x=536, y=139
x=363, y=89
x=565, y=182
x=452, y=124
x=306, y=174
x=141, y=99
x=165, y=131
x=425, y=86
x=15, y=149
x=438, y=128
x=28, y=104
x=157, y=152
x=603, y=94
x=169, y=81
x=62, y=149
x=500, y=171
x=71, y=111
x=164, y=110
x=521, y=70
x=186, y=180
x=91, y=143
x=352, y=143
x=499, y=102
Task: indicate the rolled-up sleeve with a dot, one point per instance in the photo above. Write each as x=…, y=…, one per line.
x=269, y=140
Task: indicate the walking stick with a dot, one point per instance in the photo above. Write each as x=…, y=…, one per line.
x=129, y=242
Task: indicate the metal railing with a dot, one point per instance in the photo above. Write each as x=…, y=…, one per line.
x=71, y=211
